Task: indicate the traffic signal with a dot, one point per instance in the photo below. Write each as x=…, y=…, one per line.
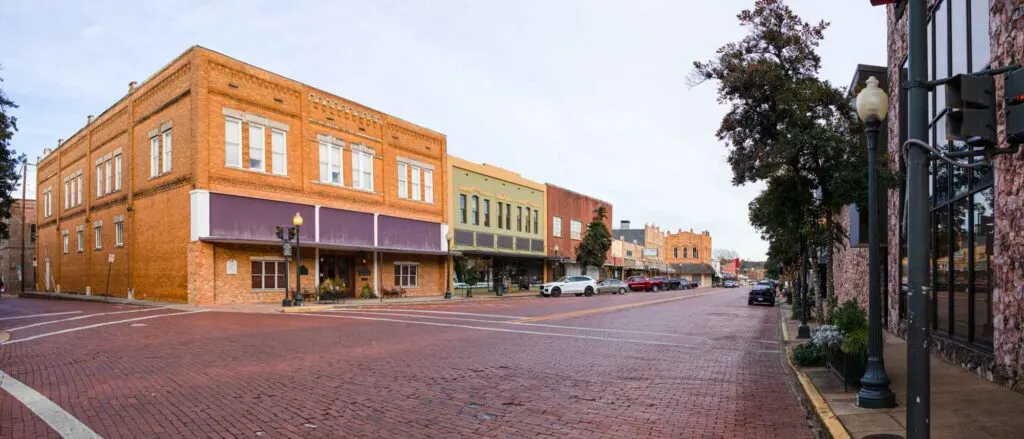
x=291, y=233
x=279, y=231
x=971, y=109
x=1014, y=94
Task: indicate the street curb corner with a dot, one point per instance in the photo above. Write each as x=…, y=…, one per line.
x=821, y=409
x=4, y=336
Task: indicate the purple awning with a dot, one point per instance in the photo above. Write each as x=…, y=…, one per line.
x=394, y=232
x=232, y=216
x=346, y=227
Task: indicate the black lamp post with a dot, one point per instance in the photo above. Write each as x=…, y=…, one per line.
x=872, y=106
x=448, y=264
x=297, y=294
x=803, y=331
x=554, y=267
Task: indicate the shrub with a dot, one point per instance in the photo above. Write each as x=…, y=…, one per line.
x=856, y=343
x=808, y=354
x=849, y=317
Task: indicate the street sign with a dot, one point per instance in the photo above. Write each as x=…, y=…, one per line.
x=287, y=249
x=110, y=258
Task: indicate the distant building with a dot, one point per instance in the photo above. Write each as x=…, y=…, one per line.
x=11, y=268
x=568, y=216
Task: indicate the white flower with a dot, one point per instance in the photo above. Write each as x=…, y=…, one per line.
x=828, y=337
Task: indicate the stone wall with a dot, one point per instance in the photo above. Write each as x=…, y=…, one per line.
x=850, y=269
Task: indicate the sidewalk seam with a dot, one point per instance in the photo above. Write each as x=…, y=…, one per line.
x=824, y=413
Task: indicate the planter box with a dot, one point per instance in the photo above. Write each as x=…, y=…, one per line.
x=848, y=368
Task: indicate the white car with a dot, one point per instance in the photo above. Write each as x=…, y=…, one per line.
x=578, y=285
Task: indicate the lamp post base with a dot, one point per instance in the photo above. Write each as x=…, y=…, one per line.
x=874, y=392
x=448, y=294
x=803, y=331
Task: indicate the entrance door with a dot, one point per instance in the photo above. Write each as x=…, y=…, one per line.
x=339, y=270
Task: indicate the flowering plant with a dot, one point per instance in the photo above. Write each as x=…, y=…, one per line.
x=828, y=337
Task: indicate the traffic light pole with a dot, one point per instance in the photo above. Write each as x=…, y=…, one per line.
x=918, y=294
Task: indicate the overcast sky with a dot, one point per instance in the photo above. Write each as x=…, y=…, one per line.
x=586, y=94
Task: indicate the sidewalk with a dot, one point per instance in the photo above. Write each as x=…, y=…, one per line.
x=276, y=307
x=963, y=404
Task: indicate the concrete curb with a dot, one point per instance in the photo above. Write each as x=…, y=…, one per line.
x=84, y=298
x=431, y=301
x=821, y=409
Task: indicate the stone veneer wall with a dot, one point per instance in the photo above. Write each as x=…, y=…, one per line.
x=849, y=269
x=1004, y=365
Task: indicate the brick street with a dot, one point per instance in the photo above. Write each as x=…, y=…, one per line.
x=706, y=366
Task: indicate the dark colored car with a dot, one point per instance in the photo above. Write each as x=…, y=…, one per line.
x=761, y=294
x=668, y=283
x=643, y=283
x=730, y=284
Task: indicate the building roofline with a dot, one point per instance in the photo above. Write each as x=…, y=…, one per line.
x=495, y=172
x=580, y=194
x=865, y=68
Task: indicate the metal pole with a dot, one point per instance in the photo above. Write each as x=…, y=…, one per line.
x=448, y=270
x=803, y=331
x=297, y=294
x=918, y=294
x=874, y=392
x=24, y=183
x=106, y=289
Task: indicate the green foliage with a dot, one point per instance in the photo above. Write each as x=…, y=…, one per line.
x=471, y=275
x=849, y=317
x=808, y=354
x=593, y=250
x=10, y=162
x=856, y=343
x=367, y=293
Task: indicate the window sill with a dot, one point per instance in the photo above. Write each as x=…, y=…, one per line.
x=269, y=290
x=114, y=192
x=341, y=186
x=257, y=171
x=430, y=203
x=154, y=177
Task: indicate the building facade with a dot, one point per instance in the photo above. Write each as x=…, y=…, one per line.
x=651, y=241
x=17, y=266
x=500, y=225
x=178, y=187
x=689, y=255
x=976, y=277
x=568, y=215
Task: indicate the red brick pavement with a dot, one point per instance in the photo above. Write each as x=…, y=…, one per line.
x=232, y=375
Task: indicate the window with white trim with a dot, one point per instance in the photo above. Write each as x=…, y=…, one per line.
x=232, y=142
x=67, y=194
x=362, y=170
x=109, y=174
x=428, y=187
x=67, y=243
x=268, y=275
x=98, y=237
x=403, y=180
x=81, y=240
x=99, y=180
x=330, y=163
x=406, y=275
x=167, y=152
x=117, y=172
x=257, y=147
x=154, y=156
x=48, y=202
x=528, y=215
x=415, y=182
x=556, y=226
x=119, y=234
x=78, y=189
x=279, y=152
x=575, y=230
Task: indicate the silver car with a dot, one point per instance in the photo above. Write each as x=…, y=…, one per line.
x=614, y=286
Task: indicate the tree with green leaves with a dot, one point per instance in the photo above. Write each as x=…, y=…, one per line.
x=593, y=250
x=788, y=128
x=10, y=162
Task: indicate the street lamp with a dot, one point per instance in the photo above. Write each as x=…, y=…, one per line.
x=555, y=265
x=297, y=294
x=872, y=106
x=448, y=264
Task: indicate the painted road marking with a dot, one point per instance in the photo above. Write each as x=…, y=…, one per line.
x=97, y=325
x=59, y=420
x=606, y=309
x=31, y=316
x=497, y=316
x=81, y=317
x=542, y=325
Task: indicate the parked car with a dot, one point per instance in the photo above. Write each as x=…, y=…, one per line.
x=691, y=284
x=668, y=283
x=614, y=286
x=643, y=283
x=761, y=293
x=578, y=285
x=767, y=283
x=730, y=284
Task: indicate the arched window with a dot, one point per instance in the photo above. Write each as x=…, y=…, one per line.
x=685, y=252
x=675, y=252
x=695, y=253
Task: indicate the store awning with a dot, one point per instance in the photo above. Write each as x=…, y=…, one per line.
x=331, y=246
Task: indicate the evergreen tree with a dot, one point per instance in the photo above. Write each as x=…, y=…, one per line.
x=593, y=250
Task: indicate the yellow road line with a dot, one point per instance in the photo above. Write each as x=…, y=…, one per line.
x=828, y=418
x=589, y=311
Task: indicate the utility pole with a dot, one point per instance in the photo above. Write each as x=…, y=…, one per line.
x=918, y=294
x=24, y=185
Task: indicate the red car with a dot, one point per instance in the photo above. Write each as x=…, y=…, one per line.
x=642, y=283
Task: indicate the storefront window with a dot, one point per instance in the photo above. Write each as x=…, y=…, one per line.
x=961, y=280
x=982, y=238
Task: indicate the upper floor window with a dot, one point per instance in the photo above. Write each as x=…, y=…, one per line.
x=519, y=219
x=330, y=163
x=108, y=184
x=415, y=182
x=428, y=186
x=686, y=253
x=279, y=152
x=556, y=226
x=117, y=172
x=257, y=147
x=81, y=240
x=48, y=202
x=232, y=142
x=487, y=213
x=66, y=241
x=501, y=215
x=462, y=208
x=119, y=234
x=67, y=194
x=403, y=180
x=154, y=157
x=536, y=222
x=362, y=170
x=99, y=180
x=675, y=252
x=695, y=256
x=98, y=237
x=508, y=216
x=575, y=230
x=78, y=190
x=166, y=165
x=476, y=210
x=528, y=220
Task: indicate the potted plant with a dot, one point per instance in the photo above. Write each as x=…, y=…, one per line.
x=850, y=360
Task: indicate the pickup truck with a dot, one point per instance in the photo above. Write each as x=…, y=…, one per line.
x=642, y=283
x=668, y=283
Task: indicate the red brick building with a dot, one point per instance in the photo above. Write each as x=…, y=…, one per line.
x=182, y=181
x=569, y=214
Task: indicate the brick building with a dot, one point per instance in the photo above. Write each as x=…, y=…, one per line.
x=652, y=242
x=11, y=268
x=182, y=181
x=976, y=276
x=689, y=255
x=568, y=215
